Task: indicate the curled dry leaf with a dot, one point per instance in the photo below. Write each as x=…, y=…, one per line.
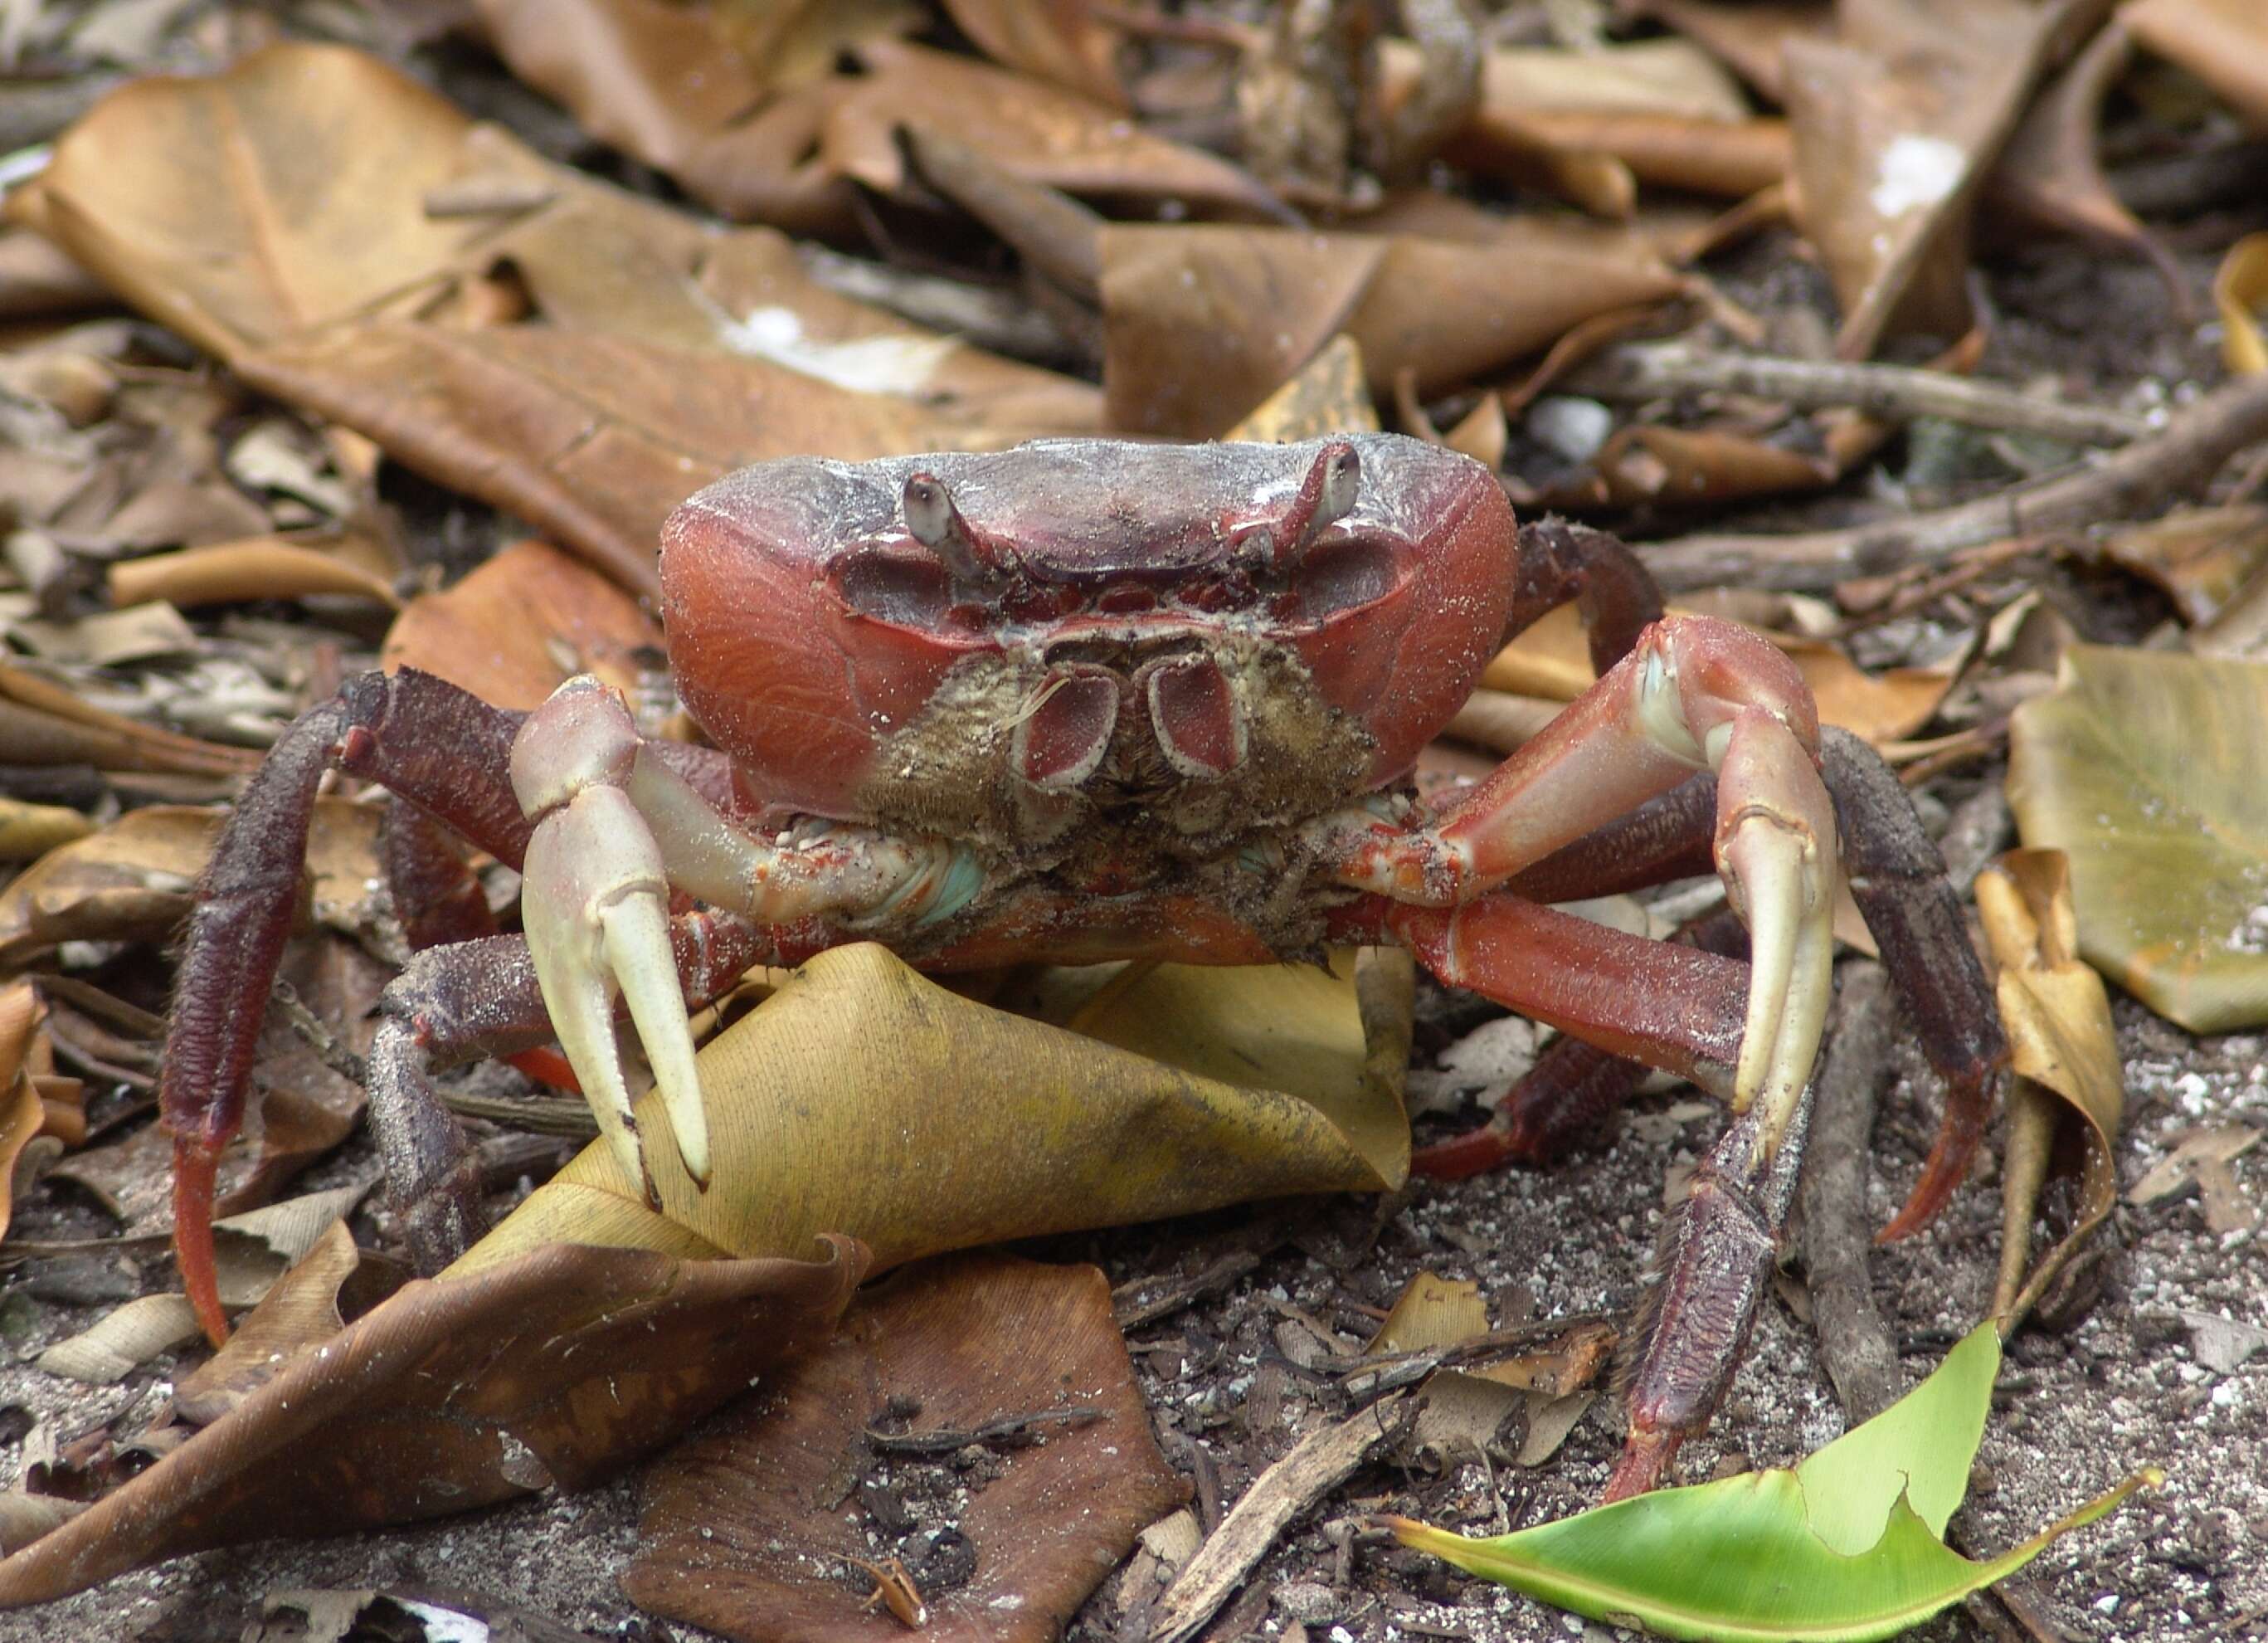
x=558, y=1368
x=1202, y=324
x=2143, y=768
x=23, y=1115
x=28, y=831
x=131, y=881
x=2200, y=557
x=1090, y=1131
x=736, y=1535
x=264, y=567
x=1066, y=43
x=2239, y=291
x=2065, y=1054
x=525, y=620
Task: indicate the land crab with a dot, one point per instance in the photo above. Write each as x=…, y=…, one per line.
x=1085, y=700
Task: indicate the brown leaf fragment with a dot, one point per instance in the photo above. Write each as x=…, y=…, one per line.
x=1433, y=1311
x=28, y=831
x=1040, y=133
x=667, y=84
x=591, y=439
x=738, y=1535
x=2223, y=42
x=1896, y=122
x=316, y=215
x=1747, y=36
x=23, y=1115
x=1201, y=323
x=2065, y=1056
x=2051, y=174
x=1063, y=41
x=260, y=567
x=522, y=623
x=1329, y=396
x=2239, y=291
x=2203, y=1155
x=558, y=1368
x=299, y=1313
x=42, y=723
x=2199, y=558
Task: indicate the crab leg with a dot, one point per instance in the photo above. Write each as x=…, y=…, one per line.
x=617, y=826
x=1694, y=694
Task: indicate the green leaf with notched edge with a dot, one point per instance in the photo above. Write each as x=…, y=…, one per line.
x=1846, y=1546
x=2147, y=769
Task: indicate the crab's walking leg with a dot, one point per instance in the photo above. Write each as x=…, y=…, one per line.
x=617, y=826
x=1898, y=880
x=453, y=766
x=1693, y=694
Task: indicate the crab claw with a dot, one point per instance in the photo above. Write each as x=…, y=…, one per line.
x=1774, y=850
x=595, y=906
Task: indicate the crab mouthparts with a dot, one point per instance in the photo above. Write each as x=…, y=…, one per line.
x=1192, y=713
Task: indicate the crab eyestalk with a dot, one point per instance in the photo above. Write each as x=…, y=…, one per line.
x=1325, y=497
x=936, y=523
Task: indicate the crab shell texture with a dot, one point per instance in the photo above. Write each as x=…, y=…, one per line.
x=1005, y=647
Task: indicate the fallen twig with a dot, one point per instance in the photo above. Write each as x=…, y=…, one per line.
x=2126, y=484
x=1893, y=393
x=1321, y=1461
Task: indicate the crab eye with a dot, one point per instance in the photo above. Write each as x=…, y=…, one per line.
x=1342, y=483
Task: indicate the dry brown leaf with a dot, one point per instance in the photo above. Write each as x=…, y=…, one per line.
x=2200, y=557
x=556, y=1370
x=1202, y=324
x=28, y=831
x=1182, y=1088
x=2223, y=42
x=1433, y=1311
x=667, y=84
x=317, y=217
x=109, y=638
x=22, y=1113
x=131, y=881
x=730, y=1539
x=42, y=723
x=262, y=567
x=2051, y=174
x=591, y=439
x=1896, y=122
x=2064, y=1054
x=522, y=623
x=1060, y=41
x=1037, y=132
x=2203, y=1156
x=299, y=1312
x=1329, y=396
x=1746, y=37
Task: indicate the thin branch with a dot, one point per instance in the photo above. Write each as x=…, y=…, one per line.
x=1893, y=393
x=2126, y=485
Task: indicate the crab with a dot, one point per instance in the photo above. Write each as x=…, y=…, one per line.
x=1086, y=700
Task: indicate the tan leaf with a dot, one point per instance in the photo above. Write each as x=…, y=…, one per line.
x=2223, y=42
x=315, y=217
x=1061, y=40
x=1433, y=1311
x=2061, y=1041
x=1089, y=1131
x=131, y=881
x=264, y=567
x=42, y=723
x=1328, y=395
x=558, y=1368
x=729, y=1540
x=2143, y=768
x=1202, y=324
x=1039, y=133
x=2239, y=291
x=22, y=1113
x=29, y=830
x=2200, y=557
x=1895, y=123
x=521, y=623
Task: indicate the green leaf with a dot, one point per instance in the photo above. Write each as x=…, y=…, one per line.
x=1845, y=1546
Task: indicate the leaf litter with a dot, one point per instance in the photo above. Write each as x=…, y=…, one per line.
x=1205, y=1370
